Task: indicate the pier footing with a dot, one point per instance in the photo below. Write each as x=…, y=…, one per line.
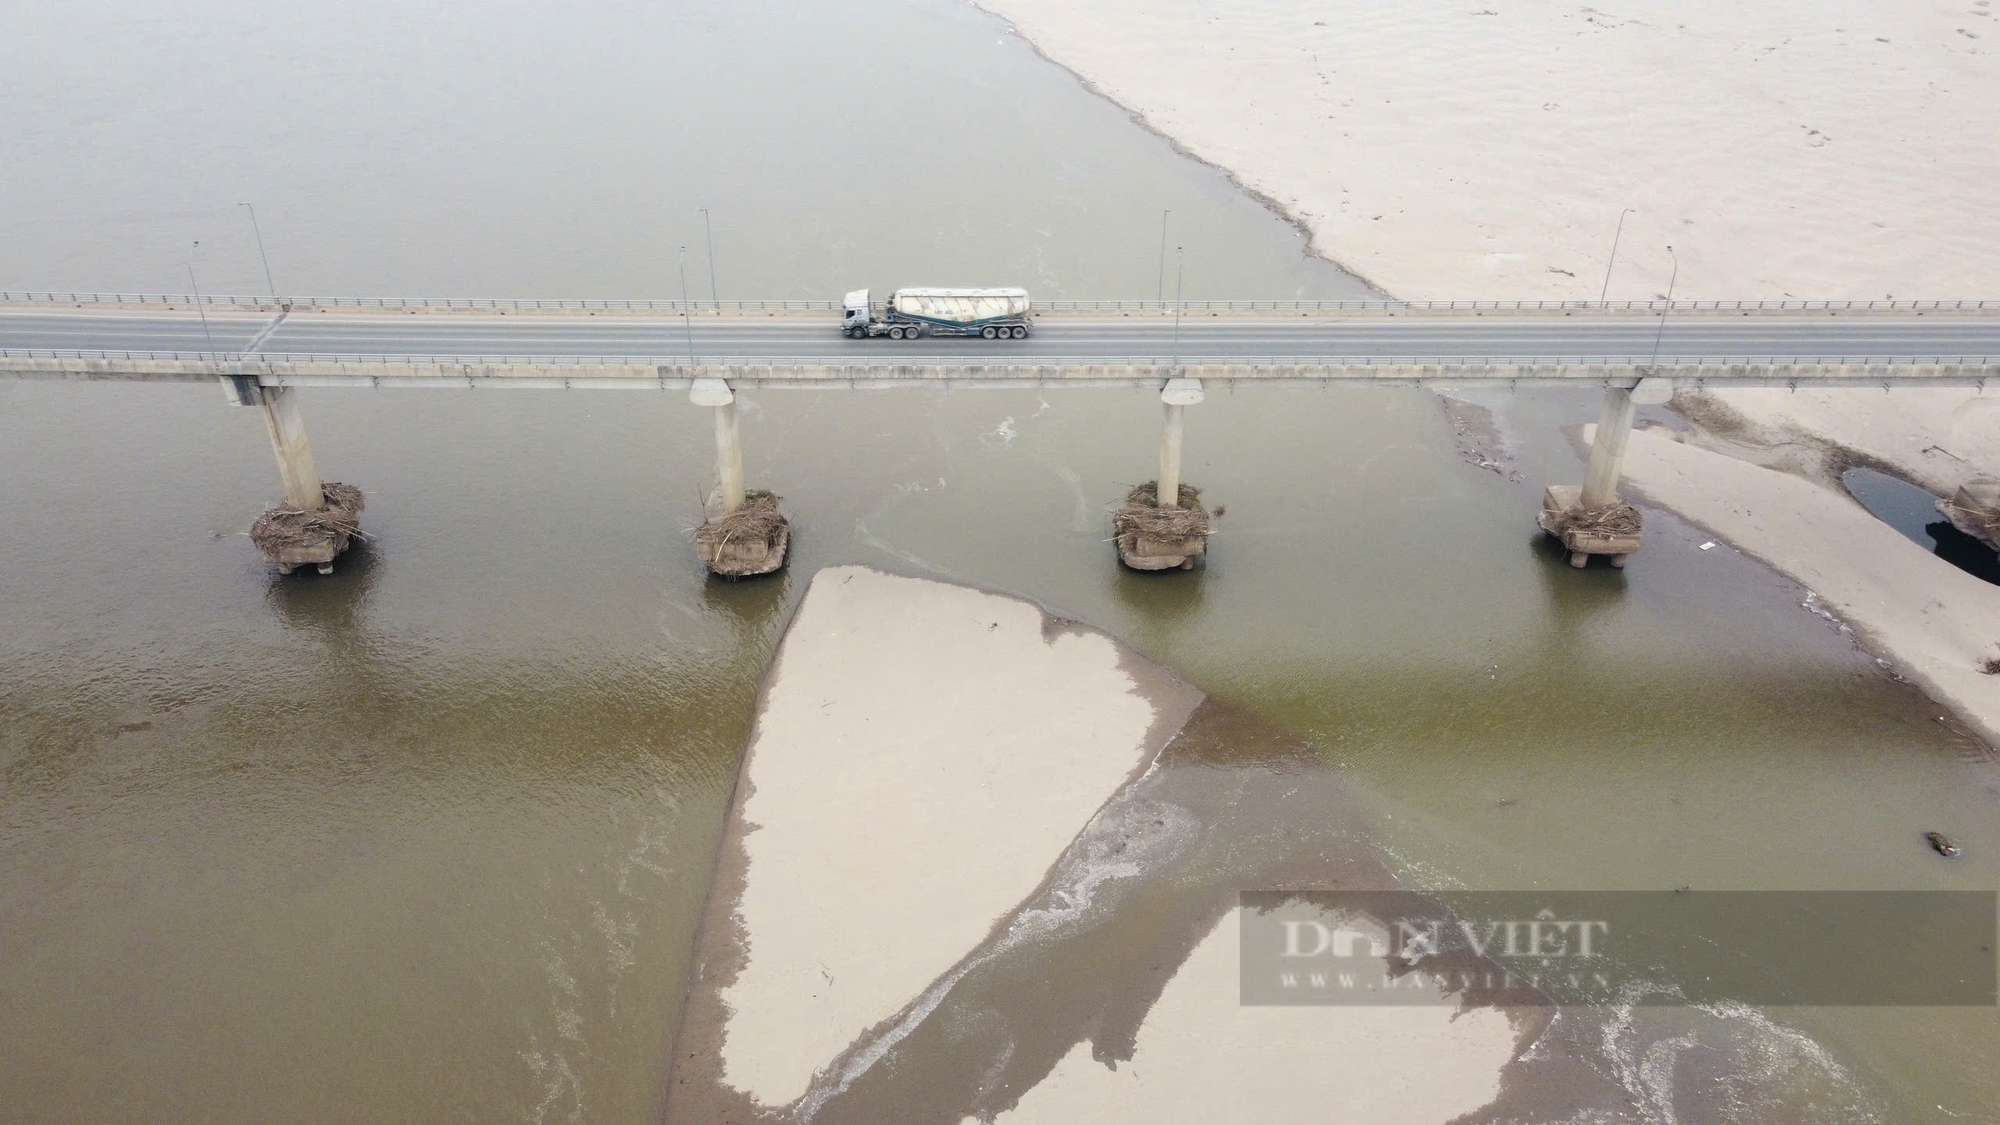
x=1151, y=537
x=1612, y=529
x=290, y=536
x=745, y=541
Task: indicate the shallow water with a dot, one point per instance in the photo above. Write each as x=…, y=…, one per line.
x=427, y=838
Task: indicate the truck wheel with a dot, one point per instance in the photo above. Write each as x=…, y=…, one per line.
x=1020, y=333
x=895, y=333
x=989, y=332
x=912, y=332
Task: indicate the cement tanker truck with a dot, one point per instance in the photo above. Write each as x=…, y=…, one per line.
x=993, y=314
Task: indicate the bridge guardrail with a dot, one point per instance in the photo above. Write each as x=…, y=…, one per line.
x=531, y=304
x=890, y=358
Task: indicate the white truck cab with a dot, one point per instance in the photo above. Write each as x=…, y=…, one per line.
x=854, y=313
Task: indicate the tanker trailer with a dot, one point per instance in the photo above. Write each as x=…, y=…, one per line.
x=993, y=314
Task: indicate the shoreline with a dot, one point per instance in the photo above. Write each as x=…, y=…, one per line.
x=1762, y=426
x=1235, y=178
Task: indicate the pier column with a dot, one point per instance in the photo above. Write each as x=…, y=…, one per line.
x=728, y=439
x=287, y=428
x=1170, y=456
x=1607, y=449
x=1177, y=396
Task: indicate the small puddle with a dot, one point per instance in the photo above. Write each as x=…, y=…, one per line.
x=1913, y=511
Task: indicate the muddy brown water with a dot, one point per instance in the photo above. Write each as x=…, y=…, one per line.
x=428, y=839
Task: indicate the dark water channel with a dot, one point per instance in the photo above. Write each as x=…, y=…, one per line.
x=426, y=840
x=1913, y=511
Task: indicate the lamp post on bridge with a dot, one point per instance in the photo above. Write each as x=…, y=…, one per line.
x=1654, y=362
x=686, y=318
x=1180, y=273
x=713, y=297
x=259, y=232
x=1614, y=253
x=198, y=307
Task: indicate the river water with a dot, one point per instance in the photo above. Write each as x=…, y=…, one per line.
x=427, y=839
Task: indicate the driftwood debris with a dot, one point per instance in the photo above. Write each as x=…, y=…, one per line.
x=1154, y=538
x=290, y=536
x=1612, y=529
x=1613, y=521
x=750, y=540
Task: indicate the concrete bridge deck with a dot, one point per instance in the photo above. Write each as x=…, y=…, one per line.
x=454, y=345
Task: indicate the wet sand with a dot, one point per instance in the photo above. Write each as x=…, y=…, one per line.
x=1080, y=962
x=990, y=938
x=1933, y=622
x=921, y=751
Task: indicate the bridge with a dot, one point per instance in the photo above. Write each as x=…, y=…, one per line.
x=262, y=349
x=579, y=345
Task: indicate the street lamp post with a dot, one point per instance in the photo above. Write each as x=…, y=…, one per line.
x=1160, y=290
x=1653, y=364
x=1614, y=253
x=686, y=319
x=710, y=230
x=1180, y=272
x=196, y=286
x=259, y=232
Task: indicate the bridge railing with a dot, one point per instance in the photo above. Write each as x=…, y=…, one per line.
x=550, y=304
x=889, y=358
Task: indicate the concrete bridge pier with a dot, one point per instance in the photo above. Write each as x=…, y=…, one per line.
x=742, y=532
x=1607, y=449
x=729, y=445
x=1175, y=398
x=1590, y=519
x=1160, y=535
x=296, y=468
x=1172, y=429
x=317, y=521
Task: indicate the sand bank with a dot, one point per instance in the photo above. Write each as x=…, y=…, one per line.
x=1202, y=1057
x=1456, y=150
x=923, y=752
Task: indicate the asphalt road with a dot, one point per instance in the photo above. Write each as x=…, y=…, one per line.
x=1513, y=336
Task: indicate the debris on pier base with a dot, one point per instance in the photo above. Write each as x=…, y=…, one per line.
x=293, y=537
x=750, y=540
x=1975, y=509
x=1610, y=530
x=1154, y=538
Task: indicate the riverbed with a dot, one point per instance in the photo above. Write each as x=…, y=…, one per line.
x=429, y=838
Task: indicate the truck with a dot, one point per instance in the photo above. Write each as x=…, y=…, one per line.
x=992, y=314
